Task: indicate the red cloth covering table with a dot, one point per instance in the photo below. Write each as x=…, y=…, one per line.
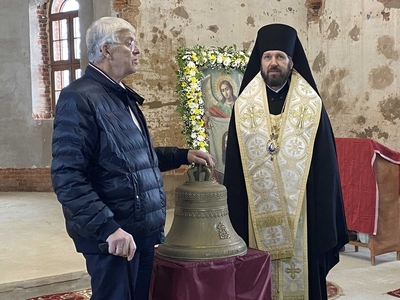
x=369, y=174
x=358, y=166
x=235, y=278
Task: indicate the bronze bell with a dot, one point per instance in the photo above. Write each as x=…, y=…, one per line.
x=201, y=228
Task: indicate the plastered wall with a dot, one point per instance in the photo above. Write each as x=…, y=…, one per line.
x=352, y=46
x=354, y=53
x=353, y=49
x=23, y=141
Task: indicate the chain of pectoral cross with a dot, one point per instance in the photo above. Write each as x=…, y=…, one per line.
x=273, y=145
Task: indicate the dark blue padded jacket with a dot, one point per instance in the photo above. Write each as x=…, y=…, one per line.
x=105, y=171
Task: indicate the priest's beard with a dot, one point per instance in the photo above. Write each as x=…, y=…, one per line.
x=276, y=81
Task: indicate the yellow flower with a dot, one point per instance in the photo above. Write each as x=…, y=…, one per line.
x=193, y=79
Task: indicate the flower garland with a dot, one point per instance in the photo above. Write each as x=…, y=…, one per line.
x=191, y=62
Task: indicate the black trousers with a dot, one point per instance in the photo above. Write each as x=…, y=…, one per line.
x=114, y=278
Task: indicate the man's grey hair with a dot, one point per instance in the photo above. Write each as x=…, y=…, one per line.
x=104, y=30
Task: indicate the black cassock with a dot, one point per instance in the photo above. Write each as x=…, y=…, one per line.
x=326, y=222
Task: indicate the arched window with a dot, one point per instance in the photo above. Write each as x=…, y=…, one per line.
x=65, y=42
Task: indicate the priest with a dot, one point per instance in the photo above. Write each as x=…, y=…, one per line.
x=281, y=174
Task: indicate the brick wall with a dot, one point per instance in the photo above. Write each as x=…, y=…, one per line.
x=38, y=180
x=25, y=180
x=45, y=106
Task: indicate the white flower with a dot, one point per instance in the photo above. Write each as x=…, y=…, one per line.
x=227, y=61
x=193, y=106
x=195, y=85
x=200, y=138
x=196, y=127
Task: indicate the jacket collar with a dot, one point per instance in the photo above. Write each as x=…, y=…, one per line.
x=105, y=80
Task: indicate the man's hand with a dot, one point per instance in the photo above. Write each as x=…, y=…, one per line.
x=200, y=157
x=121, y=243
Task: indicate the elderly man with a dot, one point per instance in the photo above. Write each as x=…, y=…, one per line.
x=284, y=191
x=105, y=171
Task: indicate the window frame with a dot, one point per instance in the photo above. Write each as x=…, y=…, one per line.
x=71, y=64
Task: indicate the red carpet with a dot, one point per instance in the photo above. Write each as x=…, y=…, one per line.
x=395, y=293
x=78, y=295
x=334, y=292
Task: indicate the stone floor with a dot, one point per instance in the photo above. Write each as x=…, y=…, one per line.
x=37, y=257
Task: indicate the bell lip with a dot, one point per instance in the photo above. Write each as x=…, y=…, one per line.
x=183, y=253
